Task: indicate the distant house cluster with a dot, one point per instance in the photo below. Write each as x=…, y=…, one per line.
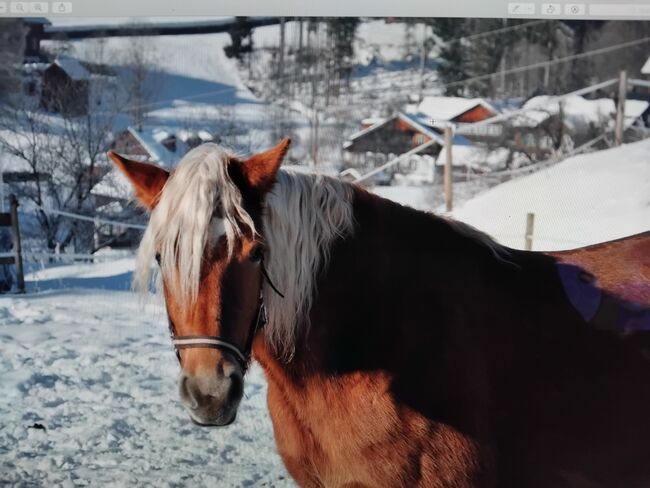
x=486, y=138
x=384, y=139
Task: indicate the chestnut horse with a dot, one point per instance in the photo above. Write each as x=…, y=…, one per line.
x=400, y=348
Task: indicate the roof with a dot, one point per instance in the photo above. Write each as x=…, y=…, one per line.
x=152, y=139
x=418, y=123
x=73, y=68
x=645, y=70
x=448, y=108
x=578, y=111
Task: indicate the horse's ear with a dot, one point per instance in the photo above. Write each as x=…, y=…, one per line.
x=147, y=180
x=260, y=169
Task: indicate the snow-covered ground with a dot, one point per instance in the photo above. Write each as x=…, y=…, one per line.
x=584, y=200
x=97, y=370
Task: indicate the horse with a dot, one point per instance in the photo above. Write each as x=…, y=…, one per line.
x=400, y=348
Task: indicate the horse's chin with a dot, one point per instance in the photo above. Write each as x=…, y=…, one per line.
x=221, y=421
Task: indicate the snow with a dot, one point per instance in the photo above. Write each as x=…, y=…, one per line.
x=583, y=200
x=476, y=156
x=96, y=369
x=645, y=70
x=73, y=68
x=448, y=108
x=190, y=75
x=418, y=197
x=578, y=111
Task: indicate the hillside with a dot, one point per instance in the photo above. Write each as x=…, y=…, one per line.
x=584, y=200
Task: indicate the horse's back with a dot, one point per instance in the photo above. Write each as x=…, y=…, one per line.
x=621, y=267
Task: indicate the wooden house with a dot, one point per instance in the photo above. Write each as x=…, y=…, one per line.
x=66, y=87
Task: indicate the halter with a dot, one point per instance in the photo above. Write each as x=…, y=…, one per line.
x=218, y=342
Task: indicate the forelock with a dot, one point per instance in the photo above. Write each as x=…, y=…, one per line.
x=198, y=205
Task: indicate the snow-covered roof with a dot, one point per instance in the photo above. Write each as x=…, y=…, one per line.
x=414, y=121
x=73, y=68
x=578, y=111
x=152, y=140
x=448, y=108
x=645, y=70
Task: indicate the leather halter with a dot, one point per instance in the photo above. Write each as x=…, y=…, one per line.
x=218, y=342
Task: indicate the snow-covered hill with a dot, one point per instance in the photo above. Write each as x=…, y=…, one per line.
x=584, y=200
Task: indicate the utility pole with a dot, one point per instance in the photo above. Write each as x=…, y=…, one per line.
x=620, y=109
x=449, y=198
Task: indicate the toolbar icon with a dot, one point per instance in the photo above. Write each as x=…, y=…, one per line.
x=61, y=7
x=521, y=9
x=575, y=9
x=39, y=7
x=551, y=9
x=18, y=8
x=3, y=7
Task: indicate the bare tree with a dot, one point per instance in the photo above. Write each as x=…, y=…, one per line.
x=64, y=155
x=142, y=83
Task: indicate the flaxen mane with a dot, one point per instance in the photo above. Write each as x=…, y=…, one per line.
x=304, y=213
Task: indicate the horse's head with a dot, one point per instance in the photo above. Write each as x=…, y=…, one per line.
x=205, y=233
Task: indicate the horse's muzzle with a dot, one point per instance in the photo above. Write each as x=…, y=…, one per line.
x=212, y=399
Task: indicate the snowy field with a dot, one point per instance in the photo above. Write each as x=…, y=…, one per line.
x=584, y=200
x=84, y=359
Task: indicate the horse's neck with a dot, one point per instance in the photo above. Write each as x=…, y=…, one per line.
x=401, y=280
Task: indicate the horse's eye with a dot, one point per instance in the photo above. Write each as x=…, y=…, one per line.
x=256, y=255
x=158, y=257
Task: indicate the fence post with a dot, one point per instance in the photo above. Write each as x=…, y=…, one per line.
x=15, y=232
x=449, y=197
x=620, y=109
x=530, y=227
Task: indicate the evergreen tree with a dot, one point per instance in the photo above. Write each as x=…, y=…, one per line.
x=342, y=33
x=452, y=55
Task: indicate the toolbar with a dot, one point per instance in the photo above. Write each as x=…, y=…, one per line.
x=291, y=8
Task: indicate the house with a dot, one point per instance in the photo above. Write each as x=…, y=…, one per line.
x=160, y=145
x=548, y=123
x=388, y=138
x=463, y=113
x=65, y=87
x=34, y=32
x=456, y=109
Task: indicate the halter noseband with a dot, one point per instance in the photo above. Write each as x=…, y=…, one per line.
x=217, y=342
